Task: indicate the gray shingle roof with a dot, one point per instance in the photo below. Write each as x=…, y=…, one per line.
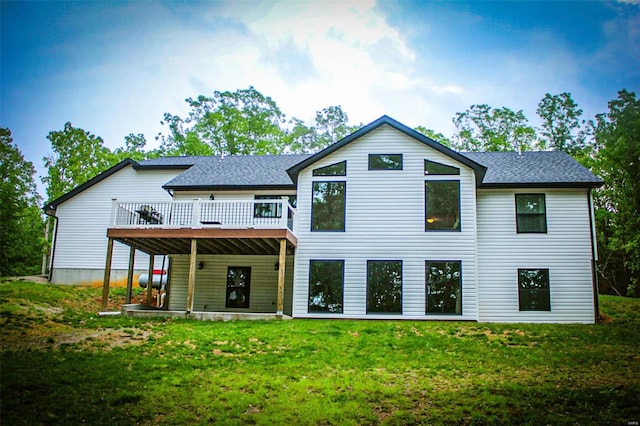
x=548, y=168
x=238, y=171
x=169, y=162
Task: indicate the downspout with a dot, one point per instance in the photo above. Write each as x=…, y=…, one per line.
x=52, y=252
x=594, y=257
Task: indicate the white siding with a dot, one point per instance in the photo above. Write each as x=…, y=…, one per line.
x=565, y=250
x=211, y=283
x=385, y=221
x=81, y=239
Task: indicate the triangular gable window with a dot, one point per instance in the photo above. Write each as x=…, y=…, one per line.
x=433, y=168
x=337, y=169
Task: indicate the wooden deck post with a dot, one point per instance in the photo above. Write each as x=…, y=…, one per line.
x=152, y=259
x=132, y=256
x=107, y=276
x=192, y=274
x=281, y=270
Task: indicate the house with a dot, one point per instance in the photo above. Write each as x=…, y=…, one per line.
x=384, y=224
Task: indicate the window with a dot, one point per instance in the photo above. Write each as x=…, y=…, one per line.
x=442, y=205
x=238, y=286
x=326, y=281
x=533, y=290
x=433, y=168
x=267, y=209
x=337, y=169
x=328, y=209
x=444, y=287
x=385, y=161
x=531, y=216
x=384, y=286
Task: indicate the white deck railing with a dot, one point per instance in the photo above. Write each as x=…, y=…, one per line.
x=276, y=213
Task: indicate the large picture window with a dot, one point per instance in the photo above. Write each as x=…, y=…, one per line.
x=533, y=290
x=384, y=286
x=444, y=287
x=442, y=205
x=531, y=214
x=326, y=281
x=328, y=209
x=238, y=286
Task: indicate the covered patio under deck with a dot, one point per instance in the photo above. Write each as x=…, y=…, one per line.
x=156, y=241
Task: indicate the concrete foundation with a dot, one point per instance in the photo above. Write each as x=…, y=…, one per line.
x=141, y=311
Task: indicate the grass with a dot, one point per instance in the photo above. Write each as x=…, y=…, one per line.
x=60, y=364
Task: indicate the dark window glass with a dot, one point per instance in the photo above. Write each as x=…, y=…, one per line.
x=267, y=209
x=442, y=205
x=531, y=215
x=238, y=286
x=326, y=280
x=384, y=286
x=433, y=168
x=328, y=208
x=533, y=290
x=444, y=288
x=385, y=161
x=337, y=169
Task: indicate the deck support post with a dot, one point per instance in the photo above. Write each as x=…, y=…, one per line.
x=132, y=256
x=192, y=274
x=152, y=259
x=281, y=270
x=107, y=276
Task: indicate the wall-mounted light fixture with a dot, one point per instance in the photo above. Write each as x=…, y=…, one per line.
x=211, y=197
x=276, y=266
x=201, y=265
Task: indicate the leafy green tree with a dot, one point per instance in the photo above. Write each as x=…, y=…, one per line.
x=21, y=233
x=562, y=128
x=483, y=128
x=133, y=148
x=438, y=137
x=228, y=123
x=330, y=125
x=617, y=161
x=77, y=157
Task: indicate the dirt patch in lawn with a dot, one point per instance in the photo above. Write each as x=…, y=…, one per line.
x=55, y=336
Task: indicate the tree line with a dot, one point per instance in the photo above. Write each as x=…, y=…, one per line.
x=246, y=122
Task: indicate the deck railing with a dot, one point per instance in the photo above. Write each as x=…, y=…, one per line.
x=197, y=213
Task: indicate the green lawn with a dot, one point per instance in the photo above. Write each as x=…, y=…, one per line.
x=60, y=364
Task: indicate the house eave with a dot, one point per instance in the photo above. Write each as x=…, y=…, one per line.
x=516, y=185
x=229, y=187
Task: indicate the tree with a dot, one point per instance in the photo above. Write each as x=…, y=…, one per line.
x=617, y=161
x=438, y=137
x=562, y=125
x=330, y=125
x=482, y=128
x=21, y=233
x=77, y=157
x=228, y=123
x=133, y=148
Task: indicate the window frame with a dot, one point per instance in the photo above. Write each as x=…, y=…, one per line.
x=426, y=209
x=277, y=214
x=318, y=171
x=455, y=171
x=319, y=311
x=247, y=288
x=460, y=287
x=369, y=311
x=544, y=214
x=344, y=205
x=386, y=168
x=547, y=293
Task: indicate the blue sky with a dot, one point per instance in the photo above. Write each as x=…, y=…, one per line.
x=114, y=67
